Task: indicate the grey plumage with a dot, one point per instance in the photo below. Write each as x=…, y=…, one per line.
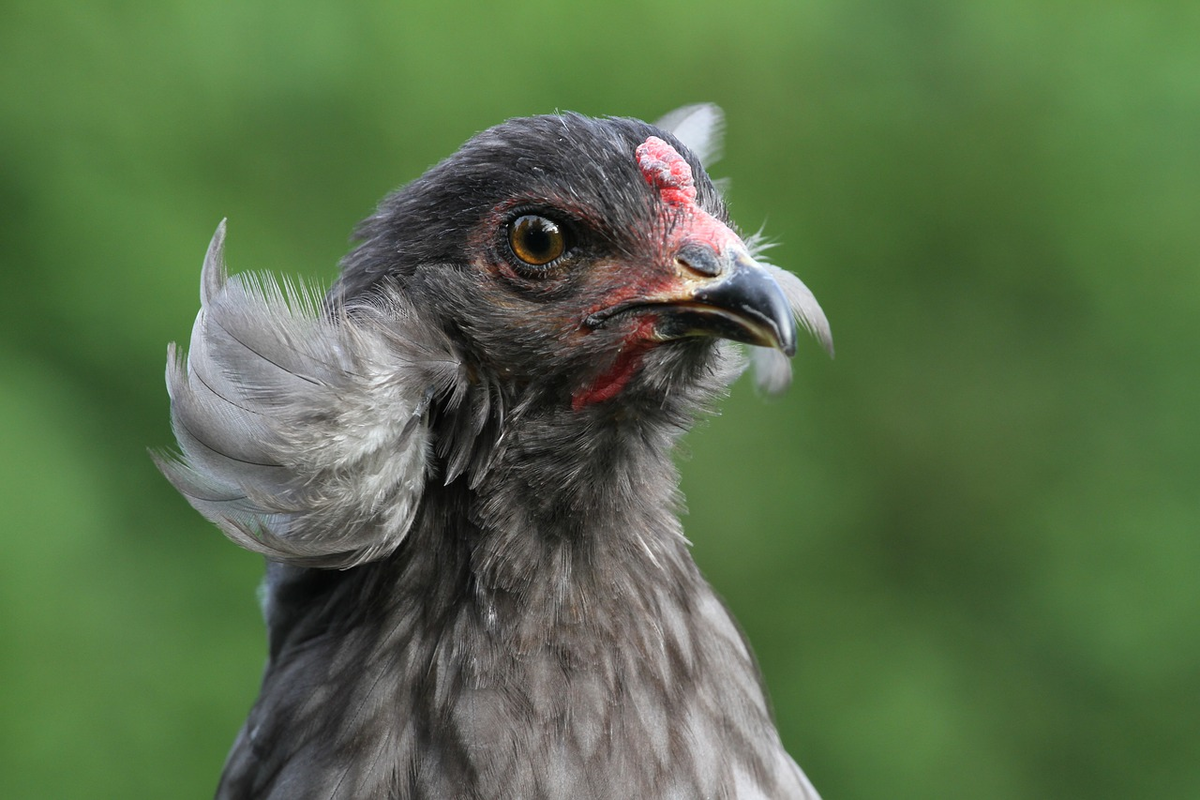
x=303, y=432
x=477, y=584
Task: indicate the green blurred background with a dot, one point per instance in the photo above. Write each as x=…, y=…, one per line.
x=966, y=550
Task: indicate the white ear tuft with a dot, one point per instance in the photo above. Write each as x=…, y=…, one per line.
x=804, y=304
x=700, y=127
x=772, y=369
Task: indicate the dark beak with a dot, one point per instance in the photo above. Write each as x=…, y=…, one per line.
x=733, y=298
x=728, y=295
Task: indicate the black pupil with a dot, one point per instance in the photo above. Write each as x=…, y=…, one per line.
x=538, y=238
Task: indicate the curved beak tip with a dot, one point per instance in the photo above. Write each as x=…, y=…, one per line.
x=750, y=296
x=735, y=298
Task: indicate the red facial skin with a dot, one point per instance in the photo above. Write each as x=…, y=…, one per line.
x=610, y=384
x=683, y=222
x=658, y=277
x=671, y=175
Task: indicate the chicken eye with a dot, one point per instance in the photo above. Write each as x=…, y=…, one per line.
x=536, y=240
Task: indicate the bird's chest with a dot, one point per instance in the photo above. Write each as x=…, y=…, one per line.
x=676, y=712
x=472, y=707
x=579, y=733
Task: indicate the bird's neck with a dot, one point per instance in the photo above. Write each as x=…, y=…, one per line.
x=549, y=590
x=571, y=509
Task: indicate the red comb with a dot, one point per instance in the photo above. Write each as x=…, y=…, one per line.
x=667, y=171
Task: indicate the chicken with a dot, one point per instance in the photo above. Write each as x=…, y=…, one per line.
x=458, y=465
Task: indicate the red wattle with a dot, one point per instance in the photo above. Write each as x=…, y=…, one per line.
x=610, y=384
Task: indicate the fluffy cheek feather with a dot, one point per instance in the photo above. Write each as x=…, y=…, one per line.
x=304, y=434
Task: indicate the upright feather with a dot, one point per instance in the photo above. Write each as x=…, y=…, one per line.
x=303, y=432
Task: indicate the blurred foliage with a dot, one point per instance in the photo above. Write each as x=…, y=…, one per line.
x=966, y=550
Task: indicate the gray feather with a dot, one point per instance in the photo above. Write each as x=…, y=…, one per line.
x=518, y=614
x=808, y=310
x=302, y=433
x=772, y=369
x=701, y=127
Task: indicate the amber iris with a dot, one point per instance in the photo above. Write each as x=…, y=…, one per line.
x=536, y=240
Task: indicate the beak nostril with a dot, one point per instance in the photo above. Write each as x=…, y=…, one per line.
x=685, y=267
x=700, y=262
